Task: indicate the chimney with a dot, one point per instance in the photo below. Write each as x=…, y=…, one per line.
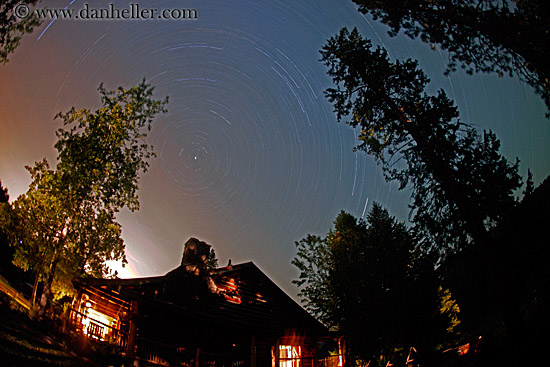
x=195, y=256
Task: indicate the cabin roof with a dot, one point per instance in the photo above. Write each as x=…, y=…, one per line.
x=80, y=282
x=243, y=297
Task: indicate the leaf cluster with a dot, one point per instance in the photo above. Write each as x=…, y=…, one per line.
x=102, y=153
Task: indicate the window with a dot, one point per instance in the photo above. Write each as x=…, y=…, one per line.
x=290, y=356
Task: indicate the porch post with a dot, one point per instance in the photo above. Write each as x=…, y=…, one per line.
x=253, y=351
x=133, y=329
x=277, y=353
x=198, y=352
x=341, y=351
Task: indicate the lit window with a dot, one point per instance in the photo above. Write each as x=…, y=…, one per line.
x=289, y=356
x=96, y=324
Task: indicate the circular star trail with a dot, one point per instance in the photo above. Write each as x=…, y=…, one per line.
x=250, y=157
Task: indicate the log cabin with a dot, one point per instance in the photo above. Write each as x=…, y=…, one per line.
x=229, y=316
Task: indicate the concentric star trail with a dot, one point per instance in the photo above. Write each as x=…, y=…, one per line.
x=250, y=157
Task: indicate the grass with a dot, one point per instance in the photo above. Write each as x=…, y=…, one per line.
x=24, y=342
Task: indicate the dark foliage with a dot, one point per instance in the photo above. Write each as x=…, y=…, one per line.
x=368, y=281
x=13, y=274
x=4, y=197
x=461, y=185
x=496, y=36
x=13, y=28
x=504, y=291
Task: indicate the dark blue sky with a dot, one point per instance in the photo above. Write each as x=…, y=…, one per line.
x=250, y=156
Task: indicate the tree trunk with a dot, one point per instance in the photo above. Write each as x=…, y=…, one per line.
x=47, y=291
x=35, y=289
x=36, y=282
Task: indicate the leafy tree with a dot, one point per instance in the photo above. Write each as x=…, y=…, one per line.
x=500, y=36
x=65, y=223
x=12, y=27
x=367, y=280
x=13, y=274
x=315, y=263
x=461, y=185
x=34, y=224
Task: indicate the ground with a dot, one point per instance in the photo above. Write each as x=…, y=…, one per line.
x=26, y=343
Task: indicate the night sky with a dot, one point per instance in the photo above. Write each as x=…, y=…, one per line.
x=250, y=156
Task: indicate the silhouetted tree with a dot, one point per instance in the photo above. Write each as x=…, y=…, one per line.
x=13, y=274
x=524, y=236
x=212, y=261
x=368, y=281
x=4, y=197
x=506, y=291
x=461, y=185
x=529, y=185
x=499, y=36
x=6, y=252
x=13, y=26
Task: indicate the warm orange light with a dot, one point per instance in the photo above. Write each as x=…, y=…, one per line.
x=290, y=356
x=463, y=349
x=340, y=353
x=230, y=291
x=96, y=324
x=260, y=298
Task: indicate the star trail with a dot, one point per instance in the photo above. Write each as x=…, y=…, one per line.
x=250, y=157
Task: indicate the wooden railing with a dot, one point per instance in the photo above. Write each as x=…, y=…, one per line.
x=98, y=330
x=13, y=293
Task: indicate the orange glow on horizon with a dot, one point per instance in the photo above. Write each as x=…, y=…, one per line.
x=128, y=271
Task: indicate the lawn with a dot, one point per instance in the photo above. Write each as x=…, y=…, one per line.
x=24, y=342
